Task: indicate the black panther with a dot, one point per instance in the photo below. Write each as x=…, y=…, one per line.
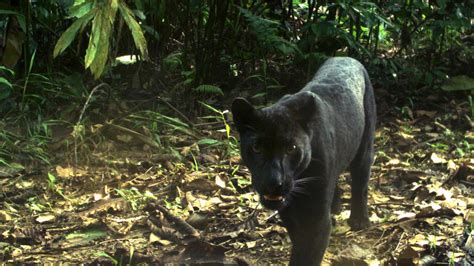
x=296, y=148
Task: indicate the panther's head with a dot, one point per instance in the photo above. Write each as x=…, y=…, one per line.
x=275, y=144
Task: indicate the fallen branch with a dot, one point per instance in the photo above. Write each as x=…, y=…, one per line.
x=180, y=225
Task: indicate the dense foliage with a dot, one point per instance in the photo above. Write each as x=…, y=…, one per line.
x=207, y=48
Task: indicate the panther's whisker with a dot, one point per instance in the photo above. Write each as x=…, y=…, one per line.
x=307, y=180
x=299, y=191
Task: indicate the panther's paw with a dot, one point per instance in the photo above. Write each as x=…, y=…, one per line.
x=358, y=223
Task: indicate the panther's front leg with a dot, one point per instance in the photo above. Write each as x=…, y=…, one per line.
x=309, y=228
x=310, y=242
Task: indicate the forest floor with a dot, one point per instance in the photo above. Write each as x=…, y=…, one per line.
x=129, y=205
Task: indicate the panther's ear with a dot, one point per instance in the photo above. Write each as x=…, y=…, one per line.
x=302, y=105
x=245, y=115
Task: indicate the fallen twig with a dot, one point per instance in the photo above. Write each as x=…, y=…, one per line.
x=180, y=225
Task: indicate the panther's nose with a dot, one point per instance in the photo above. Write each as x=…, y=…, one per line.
x=276, y=188
x=279, y=187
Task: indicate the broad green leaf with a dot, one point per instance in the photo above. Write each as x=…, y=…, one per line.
x=210, y=107
x=137, y=34
x=114, y=6
x=32, y=60
x=258, y=95
x=4, y=81
x=175, y=121
x=17, y=166
x=6, y=90
x=88, y=235
x=107, y=17
x=459, y=83
x=51, y=178
x=227, y=130
x=204, y=88
x=94, y=38
x=208, y=142
x=6, y=69
x=68, y=36
x=81, y=8
x=105, y=255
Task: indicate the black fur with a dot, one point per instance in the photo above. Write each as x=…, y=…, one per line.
x=297, y=148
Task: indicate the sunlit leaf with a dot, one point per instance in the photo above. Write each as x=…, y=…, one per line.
x=6, y=69
x=98, y=49
x=134, y=27
x=105, y=255
x=68, y=36
x=80, y=8
x=5, y=82
x=208, y=142
x=87, y=235
x=210, y=107
x=93, y=39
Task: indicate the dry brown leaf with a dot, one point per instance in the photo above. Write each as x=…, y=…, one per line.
x=155, y=238
x=354, y=255
x=469, y=246
x=393, y=161
x=395, y=197
x=437, y=159
x=119, y=225
x=405, y=215
x=67, y=172
x=429, y=114
x=408, y=253
x=102, y=206
x=469, y=216
x=220, y=181
x=406, y=136
x=432, y=135
x=4, y=216
x=16, y=252
x=201, y=184
x=407, y=225
x=419, y=240
x=45, y=218
x=251, y=244
x=379, y=197
x=198, y=220
x=455, y=256
x=190, y=200
x=452, y=166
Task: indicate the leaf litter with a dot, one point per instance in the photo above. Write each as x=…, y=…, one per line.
x=198, y=206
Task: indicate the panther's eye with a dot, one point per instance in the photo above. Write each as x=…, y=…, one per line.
x=256, y=148
x=291, y=148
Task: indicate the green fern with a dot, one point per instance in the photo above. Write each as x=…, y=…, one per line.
x=266, y=32
x=209, y=89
